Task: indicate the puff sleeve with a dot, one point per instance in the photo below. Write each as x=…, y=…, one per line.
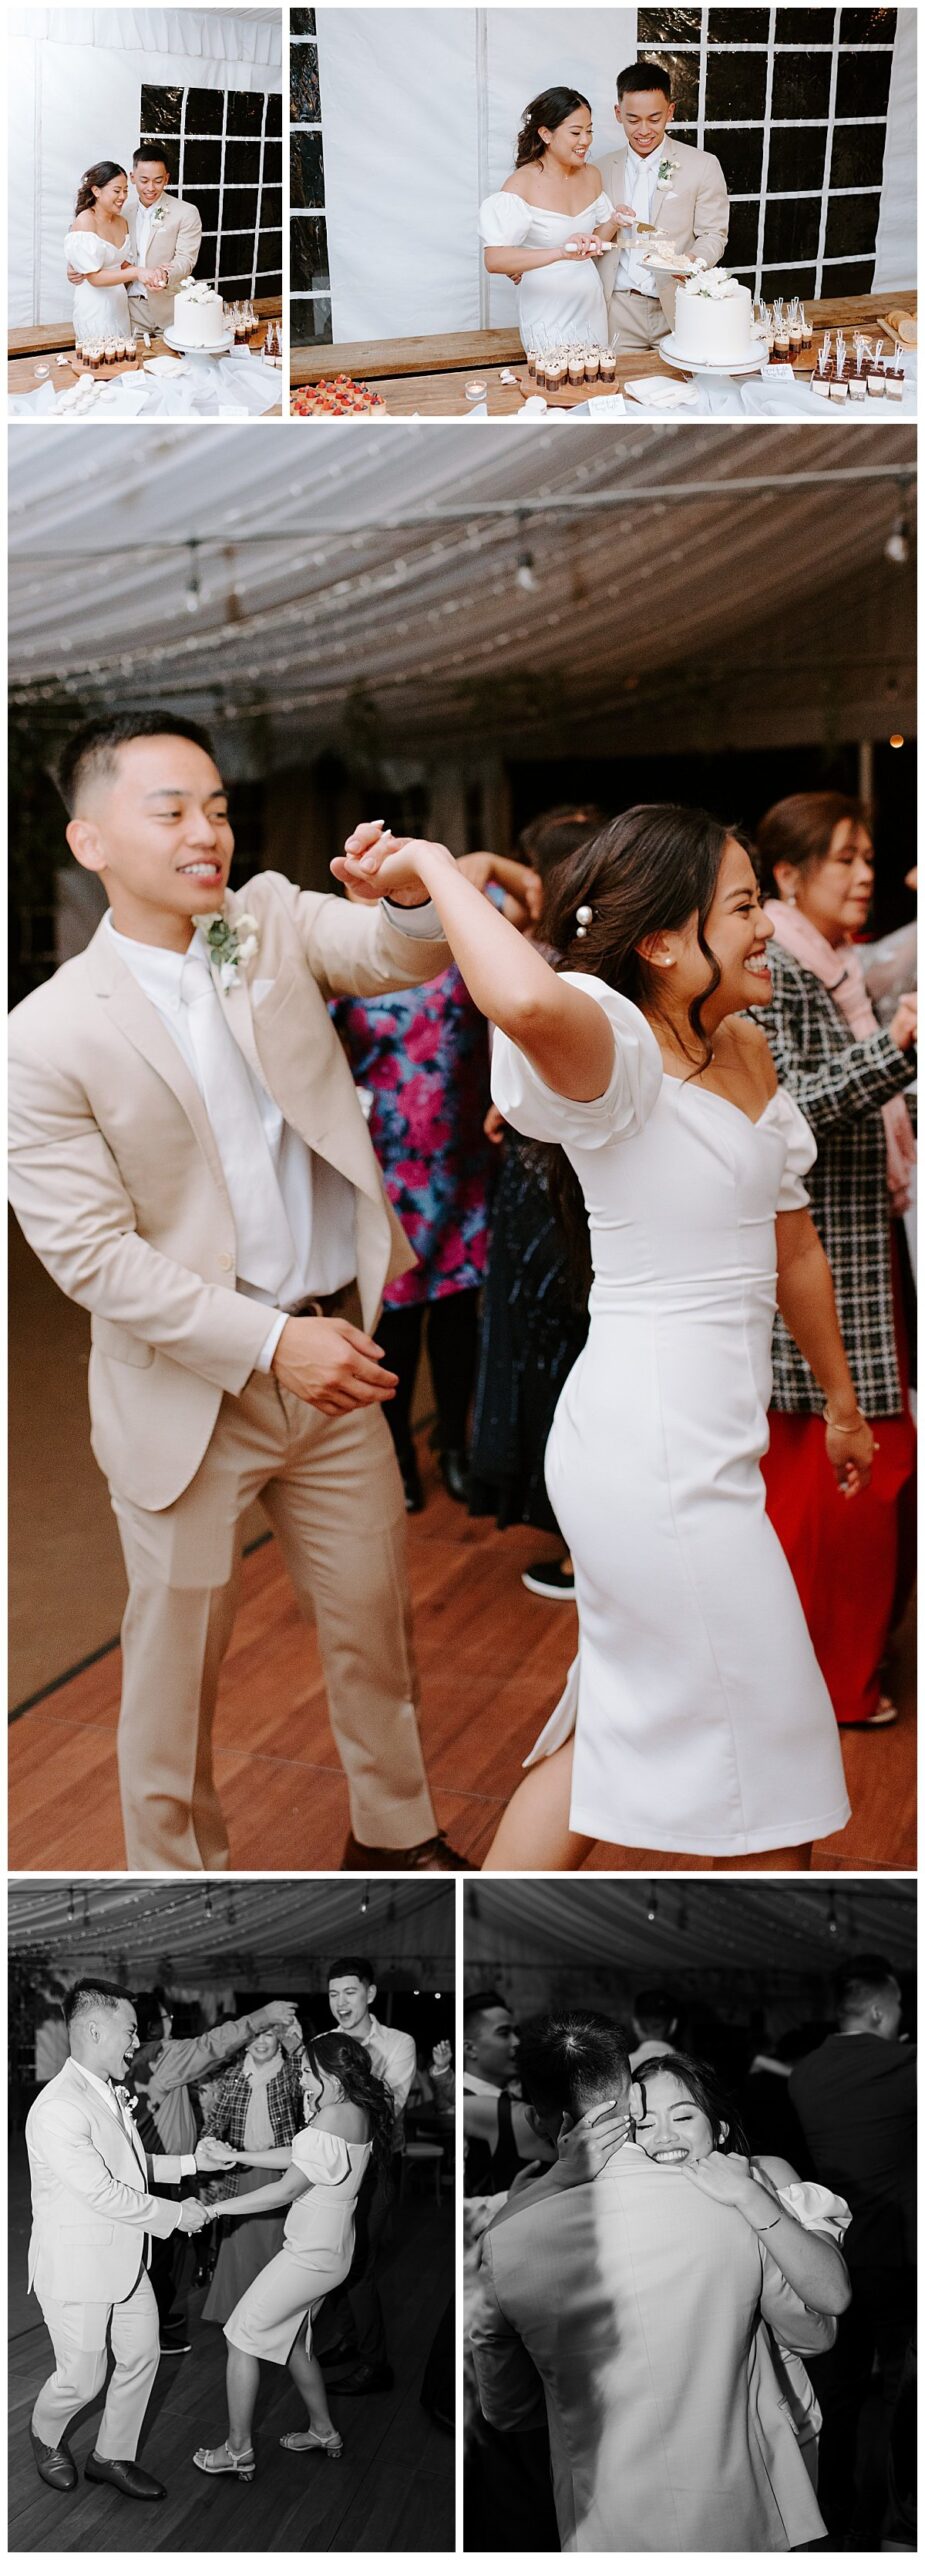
x=801, y=1150
x=504, y=221
x=632, y=1091
x=322, y=2157
x=817, y=2208
x=83, y=250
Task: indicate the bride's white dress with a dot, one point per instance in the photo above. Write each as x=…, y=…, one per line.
x=562, y=305
x=703, y=1724
x=100, y=311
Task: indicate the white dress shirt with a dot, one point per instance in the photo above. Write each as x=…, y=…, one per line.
x=144, y=226
x=641, y=184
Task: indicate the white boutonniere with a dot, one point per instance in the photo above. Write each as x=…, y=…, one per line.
x=230, y=946
x=666, y=170
x=159, y=215
x=126, y=2098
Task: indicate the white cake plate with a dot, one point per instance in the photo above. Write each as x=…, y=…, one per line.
x=668, y=350
x=202, y=355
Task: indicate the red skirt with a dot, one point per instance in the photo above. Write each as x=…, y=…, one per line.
x=844, y=1556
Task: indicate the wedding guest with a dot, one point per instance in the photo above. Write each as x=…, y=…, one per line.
x=348, y=2132
x=92, y=2214
x=163, y=230
x=655, y=2025
x=260, y=2105
x=534, y=1310
x=848, y=1077
x=547, y=226
x=689, y=1736
x=100, y=263
x=352, y=2330
x=499, y=2136
x=855, y=2097
x=228, y=1230
x=629, y=2303
x=667, y=184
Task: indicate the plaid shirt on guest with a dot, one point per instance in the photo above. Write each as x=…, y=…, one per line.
x=840, y=1083
x=227, y=2118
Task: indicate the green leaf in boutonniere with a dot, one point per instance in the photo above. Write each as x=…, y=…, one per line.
x=230, y=945
x=666, y=170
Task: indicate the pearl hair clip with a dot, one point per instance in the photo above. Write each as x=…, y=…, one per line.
x=583, y=917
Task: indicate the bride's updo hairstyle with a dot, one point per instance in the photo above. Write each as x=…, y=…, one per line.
x=341, y=2058
x=703, y=2087
x=550, y=109
x=647, y=872
x=94, y=180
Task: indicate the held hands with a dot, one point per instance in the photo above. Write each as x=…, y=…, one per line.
x=213, y=2154
x=332, y=1365
x=375, y=864
x=277, y=2013
x=850, y=1450
x=904, y=1026
x=585, y=2150
x=192, y=2215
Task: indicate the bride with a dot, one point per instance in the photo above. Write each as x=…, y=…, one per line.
x=95, y=249
x=550, y=224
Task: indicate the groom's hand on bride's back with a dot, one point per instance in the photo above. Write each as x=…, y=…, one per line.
x=332, y=1365
x=584, y=2149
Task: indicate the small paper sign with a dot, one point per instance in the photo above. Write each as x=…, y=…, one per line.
x=777, y=373
x=608, y=404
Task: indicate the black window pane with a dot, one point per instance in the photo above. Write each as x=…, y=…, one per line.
x=857, y=278
x=204, y=268
x=204, y=110
x=161, y=110
x=742, y=245
x=242, y=164
x=205, y=200
x=791, y=228
x=310, y=323
x=736, y=86
x=739, y=26
x=169, y=150
x=868, y=26
x=271, y=285
x=739, y=156
x=746, y=275
x=683, y=75
x=304, y=91
x=857, y=155
x=306, y=165
x=863, y=84
x=788, y=281
x=308, y=253
x=851, y=228
x=273, y=163
x=271, y=209
x=239, y=209
x=245, y=111
x=269, y=256
x=668, y=26
x=234, y=258
x=301, y=22
x=202, y=164
x=274, y=122
x=796, y=159
x=804, y=26
x=801, y=84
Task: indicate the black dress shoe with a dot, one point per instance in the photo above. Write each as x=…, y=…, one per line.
x=411, y=1479
x=54, y=2464
x=360, y=2378
x=340, y=2353
x=174, y=2346
x=436, y=1856
x=128, y=2477
x=454, y=1468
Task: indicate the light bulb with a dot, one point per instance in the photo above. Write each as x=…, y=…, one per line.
x=896, y=546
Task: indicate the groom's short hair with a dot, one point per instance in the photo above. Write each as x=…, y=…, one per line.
x=567, y=2063
x=89, y=1994
x=93, y=750
x=643, y=75
x=151, y=151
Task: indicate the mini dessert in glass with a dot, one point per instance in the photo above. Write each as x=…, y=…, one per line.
x=895, y=378
x=576, y=367
x=592, y=364
x=608, y=364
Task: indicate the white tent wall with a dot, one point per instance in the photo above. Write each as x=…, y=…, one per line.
x=420, y=109
x=895, y=262
x=75, y=97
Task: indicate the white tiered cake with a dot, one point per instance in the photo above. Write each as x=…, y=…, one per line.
x=713, y=320
x=199, y=315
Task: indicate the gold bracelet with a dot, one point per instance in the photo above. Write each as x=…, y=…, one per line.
x=849, y=1428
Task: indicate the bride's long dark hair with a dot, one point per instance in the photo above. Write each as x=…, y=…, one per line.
x=101, y=175
x=341, y=2058
x=647, y=872
x=550, y=108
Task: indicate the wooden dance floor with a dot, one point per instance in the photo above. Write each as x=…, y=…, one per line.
x=493, y=1660
x=392, y=2491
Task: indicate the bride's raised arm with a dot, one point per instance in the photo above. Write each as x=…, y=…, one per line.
x=564, y=1033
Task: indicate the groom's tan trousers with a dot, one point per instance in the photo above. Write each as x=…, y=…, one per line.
x=78, y=2333
x=333, y=1493
x=636, y=320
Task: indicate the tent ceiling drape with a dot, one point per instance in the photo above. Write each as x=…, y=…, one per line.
x=276, y=1928
x=694, y=1927
x=386, y=563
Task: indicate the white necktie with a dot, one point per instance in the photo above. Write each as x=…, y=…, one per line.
x=264, y=1235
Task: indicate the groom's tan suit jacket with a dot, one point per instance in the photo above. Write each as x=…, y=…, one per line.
x=116, y=1178
x=632, y=2306
x=692, y=207
x=92, y=2209
x=174, y=244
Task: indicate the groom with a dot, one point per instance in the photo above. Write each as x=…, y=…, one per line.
x=190, y=1161
x=678, y=190
x=93, y=2217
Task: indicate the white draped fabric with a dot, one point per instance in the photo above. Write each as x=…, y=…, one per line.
x=667, y=1927
x=420, y=110
x=287, y=1931
x=76, y=77
x=895, y=267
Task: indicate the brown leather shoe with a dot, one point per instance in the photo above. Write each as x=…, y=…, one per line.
x=54, y=2464
x=435, y=1856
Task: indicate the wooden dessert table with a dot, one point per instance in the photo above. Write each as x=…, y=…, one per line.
x=428, y=376
x=45, y=342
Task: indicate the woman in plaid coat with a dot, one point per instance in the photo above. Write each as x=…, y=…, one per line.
x=848, y=1077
